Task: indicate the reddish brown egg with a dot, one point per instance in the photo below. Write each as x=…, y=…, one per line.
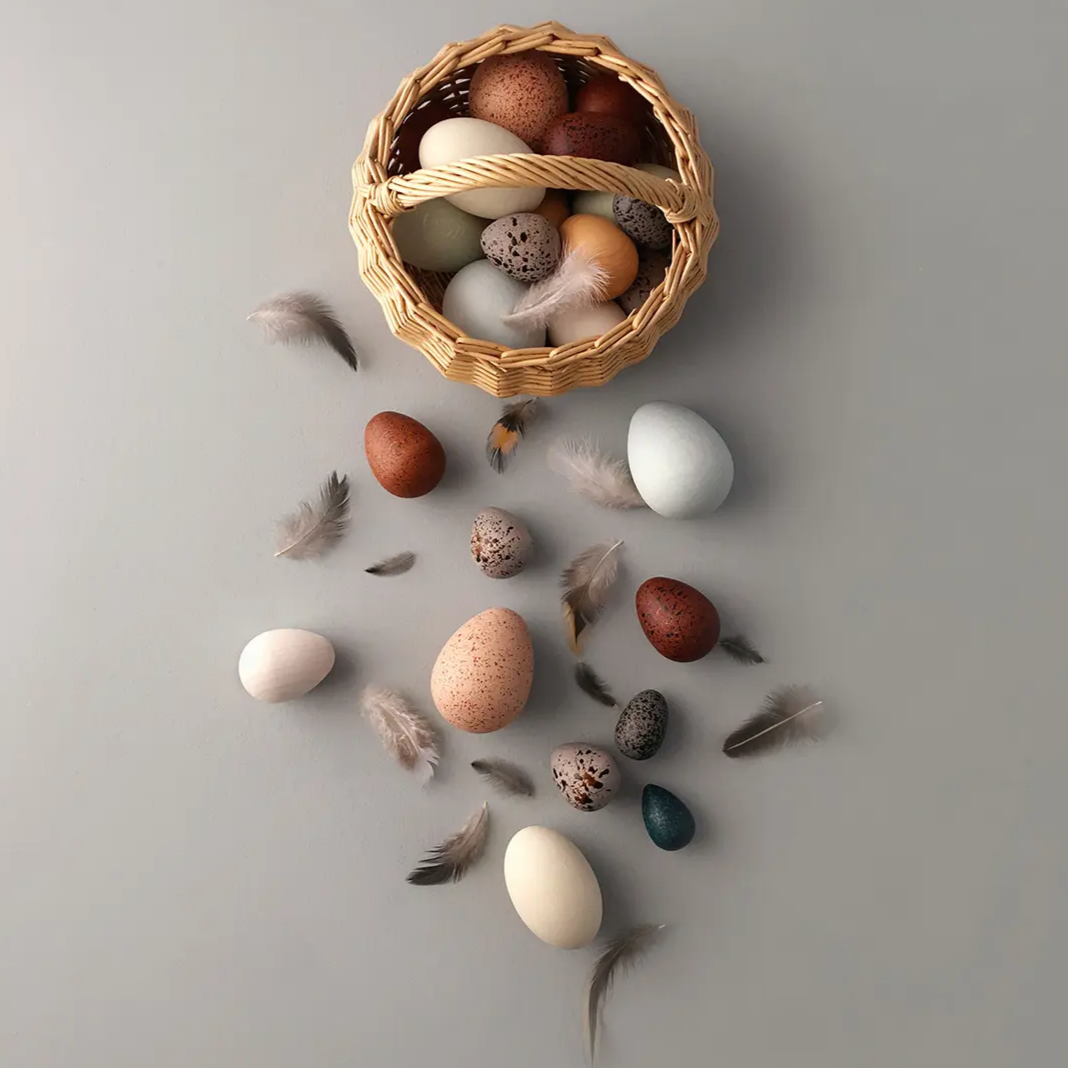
x=523, y=92
x=404, y=456
x=593, y=136
x=680, y=622
x=608, y=95
x=554, y=207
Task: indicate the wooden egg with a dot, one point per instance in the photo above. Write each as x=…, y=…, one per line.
x=280, y=665
x=604, y=242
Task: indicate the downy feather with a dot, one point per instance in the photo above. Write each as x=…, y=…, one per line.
x=304, y=317
x=450, y=861
x=392, y=565
x=577, y=282
x=602, y=479
x=314, y=528
x=739, y=647
x=586, y=582
x=402, y=729
x=504, y=776
x=591, y=683
x=504, y=435
x=780, y=721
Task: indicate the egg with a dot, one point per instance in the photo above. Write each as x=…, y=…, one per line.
x=525, y=246
x=279, y=665
x=403, y=455
x=406, y=142
x=593, y=136
x=652, y=267
x=577, y=324
x=553, y=888
x=500, y=544
x=680, y=622
x=593, y=202
x=554, y=207
x=605, y=243
x=436, y=236
x=477, y=299
x=586, y=776
x=610, y=95
x=642, y=724
x=680, y=464
x=462, y=138
x=523, y=92
x=643, y=223
x=669, y=823
x=483, y=674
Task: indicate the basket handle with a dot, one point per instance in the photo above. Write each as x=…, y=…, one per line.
x=398, y=194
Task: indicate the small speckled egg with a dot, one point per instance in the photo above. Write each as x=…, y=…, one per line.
x=652, y=266
x=607, y=245
x=500, y=544
x=642, y=725
x=680, y=622
x=525, y=246
x=644, y=223
x=586, y=776
x=668, y=821
x=523, y=92
x=483, y=674
x=403, y=455
x=577, y=324
x=479, y=297
x=594, y=202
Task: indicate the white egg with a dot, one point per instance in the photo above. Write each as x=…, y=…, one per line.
x=553, y=887
x=478, y=298
x=679, y=463
x=577, y=324
x=438, y=236
x=590, y=202
x=456, y=139
x=279, y=665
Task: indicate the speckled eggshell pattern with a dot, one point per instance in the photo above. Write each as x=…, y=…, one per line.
x=586, y=776
x=652, y=266
x=403, y=455
x=500, y=544
x=643, y=223
x=642, y=725
x=680, y=622
x=668, y=821
x=525, y=246
x=483, y=674
x=593, y=135
x=523, y=92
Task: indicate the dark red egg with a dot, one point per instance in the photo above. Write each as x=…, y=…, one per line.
x=593, y=136
x=680, y=622
x=608, y=95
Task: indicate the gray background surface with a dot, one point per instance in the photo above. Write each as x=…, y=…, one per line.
x=190, y=878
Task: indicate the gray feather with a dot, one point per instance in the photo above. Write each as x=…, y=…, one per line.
x=392, y=565
x=586, y=582
x=739, y=647
x=602, y=479
x=314, y=528
x=505, y=777
x=782, y=720
x=591, y=683
x=304, y=317
x=450, y=861
x=402, y=729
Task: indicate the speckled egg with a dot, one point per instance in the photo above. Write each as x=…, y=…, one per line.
x=680, y=622
x=586, y=776
x=642, y=725
x=523, y=92
x=403, y=455
x=593, y=135
x=652, y=266
x=644, y=223
x=483, y=674
x=500, y=544
x=669, y=823
x=525, y=246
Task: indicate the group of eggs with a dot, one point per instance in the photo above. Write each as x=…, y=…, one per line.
x=519, y=104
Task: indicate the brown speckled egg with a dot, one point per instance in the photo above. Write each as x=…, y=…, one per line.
x=586, y=776
x=593, y=136
x=524, y=93
x=611, y=96
x=680, y=622
x=525, y=246
x=404, y=456
x=500, y=544
x=652, y=266
x=482, y=677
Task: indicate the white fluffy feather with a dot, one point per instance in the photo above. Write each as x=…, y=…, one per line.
x=577, y=282
x=602, y=479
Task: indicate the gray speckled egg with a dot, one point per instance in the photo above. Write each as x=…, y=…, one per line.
x=643, y=223
x=585, y=775
x=500, y=543
x=652, y=266
x=525, y=246
x=642, y=725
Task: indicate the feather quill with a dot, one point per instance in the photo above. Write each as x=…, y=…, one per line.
x=504, y=776
x=314, y=528
x=617, y=955
x=577, y=282
x=504, y=435
x=392, y=565
x=781, y=721
x=450, y=861
x=402, y=729
x=739, y=647
x=602, y=479
x=591, y=683
x=586, y=582
x=304, y=317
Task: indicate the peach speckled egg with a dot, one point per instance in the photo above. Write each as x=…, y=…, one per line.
x=404, y=456
x=523, y=92
x=482, y=676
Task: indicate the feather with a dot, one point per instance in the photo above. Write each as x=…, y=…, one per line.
x=402, y=729
x=586, y=582
x=779, y=722
x=314, y=528
x=602, y=479
x=739, y=647
x=577, y=282
x=304, y=317
x=392, y=565
x=448, y=862
x=504, y=776
x=592, y=683
x=504, y=435
x=617, y=955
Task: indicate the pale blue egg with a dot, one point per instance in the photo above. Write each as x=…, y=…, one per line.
x=477, y=300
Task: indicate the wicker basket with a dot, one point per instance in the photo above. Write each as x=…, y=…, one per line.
x=387, y=182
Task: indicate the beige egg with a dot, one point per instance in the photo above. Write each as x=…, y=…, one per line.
x=482, y=677
x=280, y=665
x=577, y=324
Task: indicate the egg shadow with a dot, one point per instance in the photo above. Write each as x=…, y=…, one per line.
x=552, y=691
x=617, y=878
x=459, y=466
x=344, y=672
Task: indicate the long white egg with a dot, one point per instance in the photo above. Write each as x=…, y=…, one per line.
x=553, y=887
x=279, y=665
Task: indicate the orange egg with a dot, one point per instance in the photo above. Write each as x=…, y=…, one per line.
x=604, y=242
x=554, y=207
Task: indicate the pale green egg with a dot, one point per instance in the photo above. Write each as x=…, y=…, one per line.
x=437, y=236
x=477, y=300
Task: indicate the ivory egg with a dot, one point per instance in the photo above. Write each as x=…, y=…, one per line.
x=479, y=297
x=577, y=324
x=593, y=202
x=280, y=665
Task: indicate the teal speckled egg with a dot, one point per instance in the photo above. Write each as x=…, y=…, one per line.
x=667, y=819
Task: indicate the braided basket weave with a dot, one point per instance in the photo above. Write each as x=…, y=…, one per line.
x=387, y=182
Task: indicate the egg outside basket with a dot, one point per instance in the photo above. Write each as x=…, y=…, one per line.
x=387, y=182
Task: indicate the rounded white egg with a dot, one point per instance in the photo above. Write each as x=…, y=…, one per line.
x=477, y=299
x=462, y=138
x=577, y=324
x=553, y=887
x=679, y=462
x=279, y=665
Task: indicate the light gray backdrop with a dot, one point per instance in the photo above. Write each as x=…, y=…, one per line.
x=192, y=879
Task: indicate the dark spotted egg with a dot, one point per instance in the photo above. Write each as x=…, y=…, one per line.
x=586, y=776
x=652, y=266
x=642, y=725
x=525, y=245
x=500, y=543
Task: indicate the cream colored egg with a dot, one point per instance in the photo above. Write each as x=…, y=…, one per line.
x=280, y=665
x=591, y=202
x=484, y=672
x=577, y=324
x=553, y=887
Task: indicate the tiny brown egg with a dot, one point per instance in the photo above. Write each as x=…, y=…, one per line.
x=652, y=266
x=404, y=456
x=594, y=136
x=605, y=243
x=525, y=245
x=554, y=207
x=609, y=95
x=680, y=622
x=524, y=93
